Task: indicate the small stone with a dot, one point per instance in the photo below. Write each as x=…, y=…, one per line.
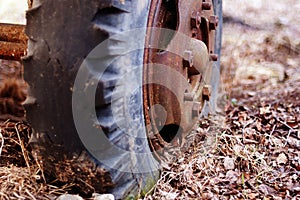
x=103, y=197
x=69, y=197
x=229, y=163
x=238, y=149
x=232, y=176
x=281, y=159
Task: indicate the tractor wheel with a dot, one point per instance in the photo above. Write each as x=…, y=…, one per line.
x=115, y=82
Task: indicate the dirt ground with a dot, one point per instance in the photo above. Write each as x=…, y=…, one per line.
x=250, y=149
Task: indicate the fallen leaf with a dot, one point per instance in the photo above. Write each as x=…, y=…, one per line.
x=232, y=176
x=264, y=110
x=266, y=190
x=228, y=163
x=169, y=195
x=281, y=159
x=253, y=195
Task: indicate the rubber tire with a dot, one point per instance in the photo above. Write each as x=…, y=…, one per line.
x=61, y=35
x=216, y=70
x=218, y=40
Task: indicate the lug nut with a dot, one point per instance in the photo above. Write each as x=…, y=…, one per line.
x=206, y=92
x=188, y=57
x=213, y=57
x=206, y=6
x=213, y=22
x=195, y=32
x=195, y=19
x=188, y=97
x=196, y=109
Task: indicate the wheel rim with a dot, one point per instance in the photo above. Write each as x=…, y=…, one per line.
x=197, y=21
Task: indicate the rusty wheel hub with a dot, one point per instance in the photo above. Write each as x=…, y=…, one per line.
x=179, y=104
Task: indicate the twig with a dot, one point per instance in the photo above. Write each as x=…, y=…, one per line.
x=243, y=131
x=22, y=147
x=151, y=190
x=140, y=187
x=285, y=124
x=31, y=196
x=18, y=196
x=287, y=137
x=88, y=185
x=273, y=129
x=3, y=195
x=2, y=142
x=55, y=190
x=40, y=169
x=291, y=130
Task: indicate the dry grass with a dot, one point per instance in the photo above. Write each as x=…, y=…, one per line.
x=21, y=177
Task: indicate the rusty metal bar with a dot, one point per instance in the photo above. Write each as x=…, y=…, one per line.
x=12, y=33
x=12, y=51
x=13, y=41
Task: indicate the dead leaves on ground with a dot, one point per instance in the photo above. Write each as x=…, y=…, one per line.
x=255, y=156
